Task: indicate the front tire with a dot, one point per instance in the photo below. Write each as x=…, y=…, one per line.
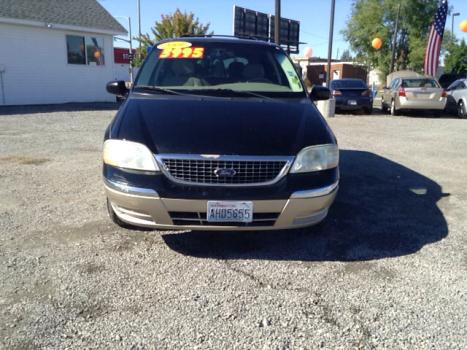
x=384, y=108
x=461, y=110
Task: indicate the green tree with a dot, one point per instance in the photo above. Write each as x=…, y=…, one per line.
x=456, y=58
x=171, y=26
x=377, y=18
x=346, y=56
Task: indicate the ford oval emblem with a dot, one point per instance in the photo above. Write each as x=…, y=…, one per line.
x=225, y=172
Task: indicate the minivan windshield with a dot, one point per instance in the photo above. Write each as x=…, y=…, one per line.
x=212, y=67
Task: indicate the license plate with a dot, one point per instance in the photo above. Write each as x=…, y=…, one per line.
x=352, y=102
x=222, y=211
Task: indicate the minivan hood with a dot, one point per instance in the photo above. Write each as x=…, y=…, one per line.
x=212, y=125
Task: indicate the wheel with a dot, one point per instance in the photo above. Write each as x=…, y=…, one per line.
x=461, y=110
x=115, y=219
x=368, y=110
x=384, y=108
x=394, y=110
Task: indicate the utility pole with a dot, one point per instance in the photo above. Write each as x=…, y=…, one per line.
x=131, y=45
x=139, y=23
x=277, y=23
x=394, y=39
x=331, y=35
x=131, y=51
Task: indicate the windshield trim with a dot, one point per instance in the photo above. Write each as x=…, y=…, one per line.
x=199, y=91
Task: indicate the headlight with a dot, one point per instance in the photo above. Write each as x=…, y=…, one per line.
x=315, y=158
x=129, y=155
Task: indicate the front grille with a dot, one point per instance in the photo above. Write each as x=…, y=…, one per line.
x=242, y=172
x=199, y=219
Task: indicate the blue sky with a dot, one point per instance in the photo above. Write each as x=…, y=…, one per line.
x=312, y=14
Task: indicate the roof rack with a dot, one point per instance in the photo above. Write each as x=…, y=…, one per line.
x=220, y=36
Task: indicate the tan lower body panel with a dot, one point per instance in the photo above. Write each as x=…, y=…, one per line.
x=150, y=211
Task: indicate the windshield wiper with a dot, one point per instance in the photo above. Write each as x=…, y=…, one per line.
x=158, y=89
x=236, y=93
x=194, y=92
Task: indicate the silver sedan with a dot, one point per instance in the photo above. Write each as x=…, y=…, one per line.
x=414, y=94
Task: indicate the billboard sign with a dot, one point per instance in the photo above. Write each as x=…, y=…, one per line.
x=249, y=23
x=289, y=33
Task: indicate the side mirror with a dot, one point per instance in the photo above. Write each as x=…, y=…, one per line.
x=117, y=88
x=319, y=93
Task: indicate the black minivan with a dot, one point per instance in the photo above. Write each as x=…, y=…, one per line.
x=219, y=133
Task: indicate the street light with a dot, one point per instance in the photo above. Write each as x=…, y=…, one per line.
x=139, y=24
x=452, y=23
x=128, y=18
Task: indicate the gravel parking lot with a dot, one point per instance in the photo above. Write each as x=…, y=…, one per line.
x=386, y=270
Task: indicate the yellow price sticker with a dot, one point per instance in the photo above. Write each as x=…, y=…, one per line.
x=173, y=44
x=179, y=52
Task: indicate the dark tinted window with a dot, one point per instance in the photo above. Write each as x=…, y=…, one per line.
x=419, y=83
x=75, y=49
x=348, y=84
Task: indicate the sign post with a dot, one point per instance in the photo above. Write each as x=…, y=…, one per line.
x=277, y=23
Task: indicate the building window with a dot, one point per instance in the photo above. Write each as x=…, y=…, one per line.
x=75, y=49
x=85, y=50
x=94, y=50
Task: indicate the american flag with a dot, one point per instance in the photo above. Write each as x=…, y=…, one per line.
x=435, y=39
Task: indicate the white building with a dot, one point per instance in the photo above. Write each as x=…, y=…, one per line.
x=55, y=51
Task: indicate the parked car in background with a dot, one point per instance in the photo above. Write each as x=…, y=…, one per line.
x=219, y=134
x=457, y=97
x=414, y=94
x=446, y=80
x=352, y=95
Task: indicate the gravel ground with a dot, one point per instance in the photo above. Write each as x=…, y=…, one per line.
x=386, y=270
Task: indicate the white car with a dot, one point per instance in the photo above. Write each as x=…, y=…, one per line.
x=457, y=92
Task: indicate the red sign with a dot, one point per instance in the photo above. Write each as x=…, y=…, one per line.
x=122, y=55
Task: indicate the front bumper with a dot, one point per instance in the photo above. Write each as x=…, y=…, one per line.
x=146, y=208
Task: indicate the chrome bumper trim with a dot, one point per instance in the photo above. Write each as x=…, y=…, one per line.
x=317, y=192
x=132, y=217
x=312, y=219
x=121, y=187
